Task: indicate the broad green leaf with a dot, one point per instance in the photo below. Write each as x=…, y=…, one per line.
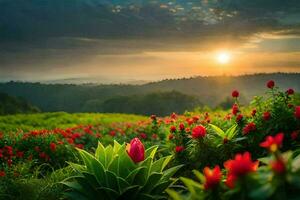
x=161, y=187
x=217, y=130
x=112, y=181
x=141, y=177
x=159, y=165
x=117, y=147
x=123, y=184
x=100, y=153
x=131, y=176
x=150, y=152
x=110, y=193
x=231, y=132
x=153, y=179
x=130, y=192
x=108, y=155
x=167, y=174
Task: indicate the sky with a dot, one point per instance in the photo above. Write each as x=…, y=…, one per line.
x=146, y=40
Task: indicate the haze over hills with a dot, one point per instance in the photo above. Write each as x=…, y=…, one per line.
x=87, y=97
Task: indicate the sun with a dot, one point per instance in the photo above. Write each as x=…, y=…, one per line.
x=223, y=57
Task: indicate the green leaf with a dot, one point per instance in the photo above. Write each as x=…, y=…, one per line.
x=161, y=187
x=77, y=167
x=296, y=164
x=191, y=185
x=112, y=181
x=129, y=192
x=173, y=194
x=159, y=165
x=108, y=155
x=150, y=152
x=94, y=167
x=141, y=177
x=231, y=132
x=218, y=131
x=109, y=193
x=263, y=192
x=114, y=165
x=73, y=195
x=131, y=176
x=123, y=184
x=153, y=179
x=100, y=153
x=199, y=175
x=265, y=160
x=117, y=147
x=74, y=185
x=167, y=174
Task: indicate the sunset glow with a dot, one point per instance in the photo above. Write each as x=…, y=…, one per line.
x=223, y=57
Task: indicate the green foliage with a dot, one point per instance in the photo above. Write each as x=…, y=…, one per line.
x=159, y=103
x=34, y=187
x=13, y=105
x=111, y=174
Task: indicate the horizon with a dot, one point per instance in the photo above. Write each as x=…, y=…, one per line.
x=74, y=81
x=124, y=41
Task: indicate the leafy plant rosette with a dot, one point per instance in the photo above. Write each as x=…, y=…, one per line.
x=120, y=172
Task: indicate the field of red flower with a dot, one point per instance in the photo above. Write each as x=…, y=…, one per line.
x=251, y=152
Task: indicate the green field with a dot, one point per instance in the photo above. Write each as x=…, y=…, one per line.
x=28, y=122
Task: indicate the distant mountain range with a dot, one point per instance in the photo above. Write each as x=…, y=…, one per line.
x=207, y=90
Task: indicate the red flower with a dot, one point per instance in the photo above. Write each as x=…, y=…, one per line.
x=143, y=136
x=235, y=109
x=79, y=146
x=297, y=112
x=235, y=94
x=20, y=154
x=171, y=136
x=112, y=133
x=196, y=118
x=179, y=149
x=248, y=128
x=153, y=117
x=278, y=166
x=267, y=116
x=294, y=135
x=136, y=150
x=273, y=143
x=271, y=84
x=173, y=129
x=2, y=173
x=181, y=127
x=212, y=177
x=290, y=91
x=198, y=132
x=239, y=118
x=52, y=146
x=253, y=113
x=42, y=155
x=154, y=136
x=240, y=166
x=173, y=116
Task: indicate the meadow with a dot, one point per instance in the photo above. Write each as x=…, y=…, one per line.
x=247, y=152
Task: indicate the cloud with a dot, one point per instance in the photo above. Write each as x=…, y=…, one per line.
x=44, y=35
